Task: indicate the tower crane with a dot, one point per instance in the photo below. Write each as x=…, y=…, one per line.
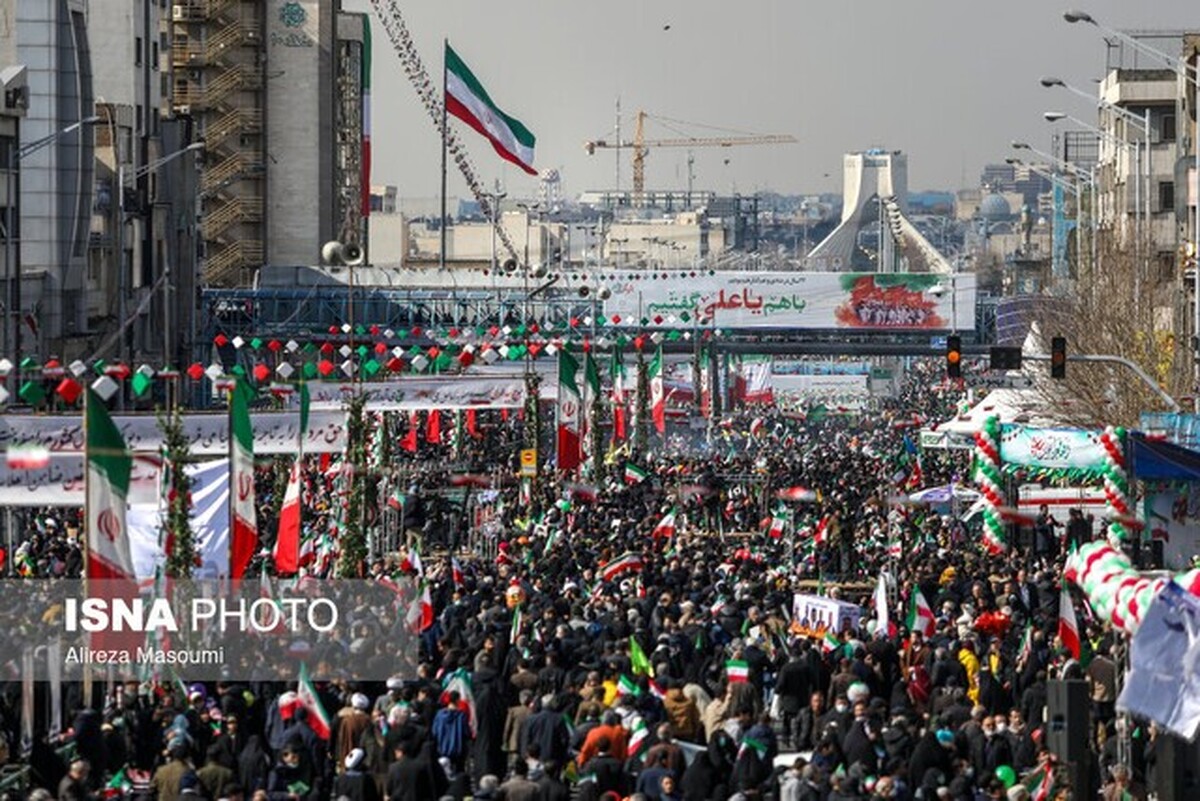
x=640, y=146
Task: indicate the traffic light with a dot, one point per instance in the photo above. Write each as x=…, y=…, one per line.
x=1058, y=357
x=1004, y=358
x=954, y=357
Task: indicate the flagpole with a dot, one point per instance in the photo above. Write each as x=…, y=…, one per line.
x=86, y=533
x=442, y=220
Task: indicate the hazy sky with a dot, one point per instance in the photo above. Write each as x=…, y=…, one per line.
x=950, y=82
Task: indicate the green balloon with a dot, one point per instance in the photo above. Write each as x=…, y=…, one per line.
x=1007, y=775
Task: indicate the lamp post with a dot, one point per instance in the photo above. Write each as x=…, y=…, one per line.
x=16, y=154
x=1142, y=123
x=494, y=199
x=132, y=176
x=1182, y=68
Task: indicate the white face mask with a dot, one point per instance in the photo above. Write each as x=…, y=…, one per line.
x=841, y=707
x=1001, y=727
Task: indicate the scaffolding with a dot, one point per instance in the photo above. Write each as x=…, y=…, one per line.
x=217, y=57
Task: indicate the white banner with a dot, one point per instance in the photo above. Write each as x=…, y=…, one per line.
x=436, y=392
x=61, y=484
x=208, y=434
x=846, y=391
x=210, y=524
x=819, y=613
x=846, y=301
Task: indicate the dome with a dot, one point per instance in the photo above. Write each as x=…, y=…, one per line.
x=994, y=207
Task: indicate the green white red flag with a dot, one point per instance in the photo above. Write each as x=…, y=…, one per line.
x=318, y=719
x=591, y=391
x=665, y=527
x=287, y=543
x=627, y=563
x=634, y=474
x=658, y=397
x=778, y=524
x=241, y=481
x=920, y=616
x=737, y=670
x=617, y=371
x=109, y=465
x=569, y=440
x=469, y=101
x=1068, y=627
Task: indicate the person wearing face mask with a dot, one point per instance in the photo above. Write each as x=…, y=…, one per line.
x=997, y=749
x=836, y=720
x=292, y=778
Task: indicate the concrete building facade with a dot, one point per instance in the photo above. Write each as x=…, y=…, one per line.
x=45, y=307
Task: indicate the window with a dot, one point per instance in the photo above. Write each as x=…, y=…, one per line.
x=137, y=51
x=1166, y=127
x=154, y=55
x=1166, y=196
x=139, y=122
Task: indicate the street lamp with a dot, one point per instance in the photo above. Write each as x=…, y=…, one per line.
x=1182, y=68
x=132, y=176
x=1142, y=123
x=17, y=153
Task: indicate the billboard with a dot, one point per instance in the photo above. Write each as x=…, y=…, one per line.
x=819, y=301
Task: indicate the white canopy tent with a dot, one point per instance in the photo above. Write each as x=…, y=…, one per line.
x=1009, y=405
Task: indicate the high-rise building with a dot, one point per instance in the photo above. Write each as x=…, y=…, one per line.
x=277, y=89
x=45, y=305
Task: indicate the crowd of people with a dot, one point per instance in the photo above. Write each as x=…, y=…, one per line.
x=683, y=677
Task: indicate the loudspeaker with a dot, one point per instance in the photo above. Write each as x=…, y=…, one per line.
x=1176, y=771
x=348, y=254
x=1069, y=732
x=1068, y=719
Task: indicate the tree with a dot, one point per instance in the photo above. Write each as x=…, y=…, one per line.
x=180, y=540
x=1119, y=308
x=353, y=534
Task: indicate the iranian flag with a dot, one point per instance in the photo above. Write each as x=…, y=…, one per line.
x=244, y=540
x=883, y=621
x=630, y=562
x=1025, y=650
x=627, y=686
x=469, y=101
x=665, y=527
x=109, y=465
x=634, y=474
x=420, y=611
x=287, y=543
x=778, y=523
x=318, y=719
x=591, y=391
x=639, y=736
x=568, y=412
x=617, y=371
x=821, y=535
x=658, y=397
x=737, y=670
x=1068, y=628
x=830, y=643
x=920, y=616
x=27, y=456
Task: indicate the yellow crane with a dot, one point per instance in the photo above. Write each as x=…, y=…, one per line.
x=640, y=146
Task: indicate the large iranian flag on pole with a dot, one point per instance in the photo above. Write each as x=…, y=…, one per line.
x=568, y=412
x=591, y=391
x=287, y=542
x=658, y=398
x=109, y=465
x=617, y=370
x=244, y=540
x=469, y=101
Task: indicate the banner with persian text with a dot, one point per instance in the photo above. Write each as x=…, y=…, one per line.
x=1063, y=449
x=822, y=301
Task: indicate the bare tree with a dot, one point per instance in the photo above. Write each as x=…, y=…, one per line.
x=1115, y=307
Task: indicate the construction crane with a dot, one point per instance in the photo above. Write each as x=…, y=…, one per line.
x=640, y=146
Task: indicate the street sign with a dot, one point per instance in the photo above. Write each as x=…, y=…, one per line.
x=937, y=343
x=998, y=381
x=529, y=461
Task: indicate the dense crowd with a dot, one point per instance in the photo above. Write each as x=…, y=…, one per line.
x=683, y=677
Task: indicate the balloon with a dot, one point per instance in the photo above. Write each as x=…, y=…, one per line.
x=1006, y=775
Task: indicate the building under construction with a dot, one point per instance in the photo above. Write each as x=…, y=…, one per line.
x=278, y=92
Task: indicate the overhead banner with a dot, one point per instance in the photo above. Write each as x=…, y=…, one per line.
x=1071, y=449
x=439, y=392
x=818, y=301
x=207, y=434
x=61, y=483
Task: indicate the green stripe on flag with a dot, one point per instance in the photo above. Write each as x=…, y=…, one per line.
x=106, y=451
x=455, y=65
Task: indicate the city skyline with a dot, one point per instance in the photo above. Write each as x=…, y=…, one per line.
x=954, y=103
